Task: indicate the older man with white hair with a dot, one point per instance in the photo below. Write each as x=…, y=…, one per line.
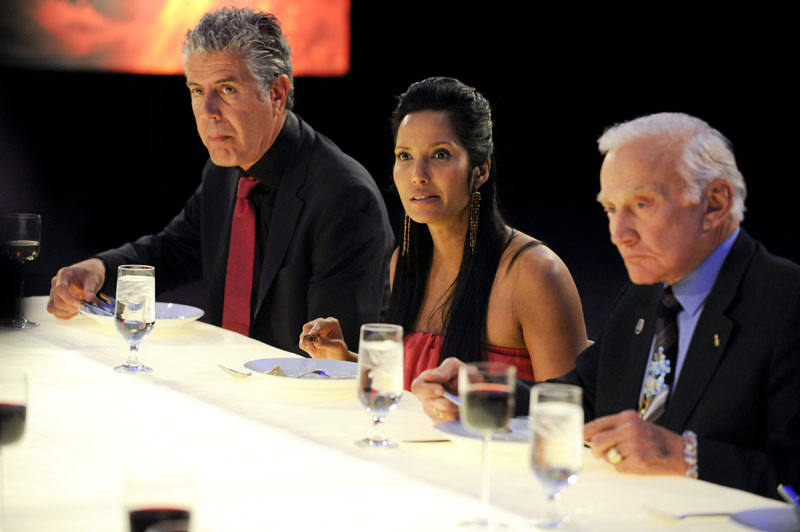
x=698, y=369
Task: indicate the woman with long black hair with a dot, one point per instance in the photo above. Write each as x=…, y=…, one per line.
x=464, y=283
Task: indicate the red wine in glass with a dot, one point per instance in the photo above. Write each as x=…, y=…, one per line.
x=177, y=519
x=488, y=407
x=487, y=403
x=13, y=411
x=12, y=422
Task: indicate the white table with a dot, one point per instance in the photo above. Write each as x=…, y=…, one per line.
x=265, y=460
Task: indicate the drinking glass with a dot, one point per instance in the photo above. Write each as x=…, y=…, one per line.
x=556, y=420
x=487, y=403
x=380, y=376
x=13, y=409
x=159, y=498
x=135, y=311
x=21, y=235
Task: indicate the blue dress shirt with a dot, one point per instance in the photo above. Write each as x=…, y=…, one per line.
x=692, y=291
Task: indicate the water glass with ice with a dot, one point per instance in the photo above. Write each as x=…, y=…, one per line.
x=380, y=376
x=135, y=311
x=556, y=420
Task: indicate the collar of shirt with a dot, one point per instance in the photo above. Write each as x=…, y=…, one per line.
x=692, y=290
x=269, y=169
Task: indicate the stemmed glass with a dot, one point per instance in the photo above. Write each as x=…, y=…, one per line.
x=380, y=376
x=135, y=311
x=21, y=234
x=159, y=497
x=487, y=403
x=13, y=409
x=556, y=420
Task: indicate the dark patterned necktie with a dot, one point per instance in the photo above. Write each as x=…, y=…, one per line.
x=241, y=254
x=661, y=369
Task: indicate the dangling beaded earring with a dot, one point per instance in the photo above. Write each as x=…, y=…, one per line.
x=406, y=233
x=474, y=214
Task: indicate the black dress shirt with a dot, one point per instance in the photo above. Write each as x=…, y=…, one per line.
x=268, y=171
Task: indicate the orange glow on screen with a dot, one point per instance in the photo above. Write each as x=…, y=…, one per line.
x=145, y=36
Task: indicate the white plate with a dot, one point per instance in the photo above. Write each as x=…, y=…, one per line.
x=518, y=432
x=343, y=373
x=512, y=446
x=168, y=315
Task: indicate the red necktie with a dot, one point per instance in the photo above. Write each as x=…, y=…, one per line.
x=241, y=253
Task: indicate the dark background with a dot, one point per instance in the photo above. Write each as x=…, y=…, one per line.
x=108, y=157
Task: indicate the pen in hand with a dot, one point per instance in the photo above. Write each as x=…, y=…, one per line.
x=452, y=398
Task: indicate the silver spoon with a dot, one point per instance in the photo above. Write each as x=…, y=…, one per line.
x=235, y=372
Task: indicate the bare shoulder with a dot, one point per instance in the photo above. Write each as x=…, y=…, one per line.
x=535, y=292
x=529, y=261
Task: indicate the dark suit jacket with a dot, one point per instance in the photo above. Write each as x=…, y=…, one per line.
x=327, y=252
x=739, y=388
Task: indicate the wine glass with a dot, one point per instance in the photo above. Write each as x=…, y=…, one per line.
x=135, y=311
x=380, y=376
x=21, y=234
x=487, y=403
x=13, y=410
x=556, y=420
x=159, y=498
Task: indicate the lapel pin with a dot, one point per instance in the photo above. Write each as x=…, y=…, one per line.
x=716, y=340
x=639, y=326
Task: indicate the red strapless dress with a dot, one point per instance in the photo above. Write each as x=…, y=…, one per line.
x=422, y=352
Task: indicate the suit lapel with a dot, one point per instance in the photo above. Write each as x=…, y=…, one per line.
x=711, y=336
x=288, y=206
x=634, y=360
x=626, y=349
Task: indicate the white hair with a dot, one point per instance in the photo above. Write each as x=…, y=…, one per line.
x=707, y=154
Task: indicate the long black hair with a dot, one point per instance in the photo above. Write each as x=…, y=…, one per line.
x=466, y=306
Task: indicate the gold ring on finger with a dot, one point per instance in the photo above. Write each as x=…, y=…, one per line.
x=614, y=456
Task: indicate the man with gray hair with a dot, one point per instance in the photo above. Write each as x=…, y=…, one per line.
x=698, y=369
x=284, y=227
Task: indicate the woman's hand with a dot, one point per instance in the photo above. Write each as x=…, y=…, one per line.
x=323, y=338
x=430, y=386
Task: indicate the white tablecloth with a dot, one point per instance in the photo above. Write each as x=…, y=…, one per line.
x=267, y=460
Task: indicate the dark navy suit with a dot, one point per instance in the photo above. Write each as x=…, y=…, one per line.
x=739, y=388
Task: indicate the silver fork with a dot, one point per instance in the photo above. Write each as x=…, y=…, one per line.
x=104, y=303
x=235, y=372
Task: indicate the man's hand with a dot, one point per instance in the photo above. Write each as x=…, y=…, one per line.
x=430, y=386
x=323, y=338
x=646, y=449
x=72, y=285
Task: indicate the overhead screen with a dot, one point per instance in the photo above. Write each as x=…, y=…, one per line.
x=145, y=36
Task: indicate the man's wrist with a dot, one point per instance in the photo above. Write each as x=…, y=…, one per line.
x=105, y=272
x=690, y=453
